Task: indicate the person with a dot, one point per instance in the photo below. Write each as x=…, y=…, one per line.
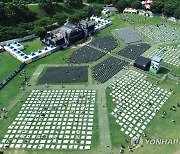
x=173, y=121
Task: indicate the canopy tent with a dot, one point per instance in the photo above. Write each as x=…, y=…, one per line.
x=142, y=63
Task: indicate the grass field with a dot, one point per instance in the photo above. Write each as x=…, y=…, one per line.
x=117, y=137
x=140, y=20
x=32, y=46
x=60, y=8
x=35, y=8
x=8, y=65
x=158, y=128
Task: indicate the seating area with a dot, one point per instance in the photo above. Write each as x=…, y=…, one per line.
x=134, y=51
x=106, y=43
x=64, y=74
x=85, y=54
x=137, y=102
x=108, y=68
x=127, y=35
x=169, y=54
x=160, y=33
x=53, y=119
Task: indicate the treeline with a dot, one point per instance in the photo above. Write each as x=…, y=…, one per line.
x=18, y=27
x=167, y=7
x=30, y=1
x=13, y=13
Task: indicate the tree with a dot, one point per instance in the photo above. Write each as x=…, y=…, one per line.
x=47, y=6
x=107, y=1
x=97, y=9
x=91, y=1
x=74, y=3
x=114, y=2
x=60, y=18
x=157, y=7
x=121, y=5
x=169, y=9
x=177, y=13
x=2, y=13
x=39, y=31
x=13, y=14
x=44, y=22
x=129, y=2
x=89, y=10
x=136, y=4
x=100, y=1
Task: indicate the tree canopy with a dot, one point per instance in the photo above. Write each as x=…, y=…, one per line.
x=11, y=14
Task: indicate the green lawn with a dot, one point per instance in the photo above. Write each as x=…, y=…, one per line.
x=158, y=128
x=35, y=8
x=140, y=20
x=117, y=137
x=32, y=46
x=174, y=69
x=60, y=8
x=8, y=65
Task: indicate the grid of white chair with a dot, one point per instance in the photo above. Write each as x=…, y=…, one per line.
x=160, y=33
x=56, y=119
x=137, y=102
x=169, y=54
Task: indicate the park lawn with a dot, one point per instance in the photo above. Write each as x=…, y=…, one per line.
x=158, y=128
x=35, y=8
x=11, y=90
x=60, y=8
x=8, y=65
x=175, y=45
x=175, y=70
x=139, y=20
x=117, y=137
x=32, y=46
